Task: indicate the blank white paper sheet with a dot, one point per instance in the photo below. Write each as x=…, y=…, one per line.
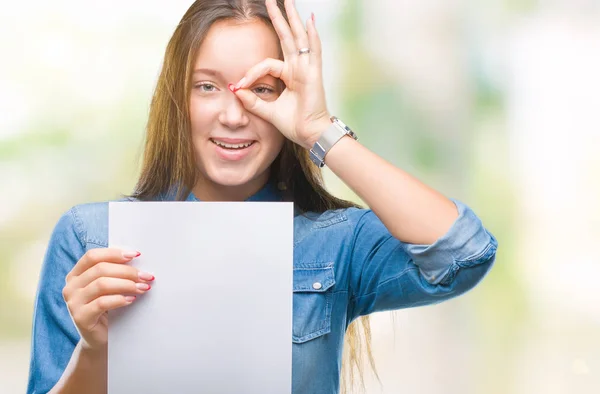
x=218, y=319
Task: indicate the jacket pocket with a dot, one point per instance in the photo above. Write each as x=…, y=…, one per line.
x=313, y=299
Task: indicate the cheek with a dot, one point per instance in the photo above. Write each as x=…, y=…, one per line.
x=202, y=115
x=267, y=132
x=274, y=140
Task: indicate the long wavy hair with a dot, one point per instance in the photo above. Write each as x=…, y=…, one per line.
x=169, y=165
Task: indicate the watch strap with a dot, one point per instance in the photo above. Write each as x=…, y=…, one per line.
x=328, y=139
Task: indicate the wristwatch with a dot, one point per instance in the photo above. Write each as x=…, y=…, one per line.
x=328, y=139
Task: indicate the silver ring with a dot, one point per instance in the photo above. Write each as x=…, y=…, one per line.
x=303, y=51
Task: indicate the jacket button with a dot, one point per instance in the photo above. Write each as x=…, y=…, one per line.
x=317, y=286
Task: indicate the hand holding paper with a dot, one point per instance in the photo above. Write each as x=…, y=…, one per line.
x=99, y=282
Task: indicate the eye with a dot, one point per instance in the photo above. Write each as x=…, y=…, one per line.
x=262, y=90
x=206, y=87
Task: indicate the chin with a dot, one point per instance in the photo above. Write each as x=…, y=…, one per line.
x=230, y=177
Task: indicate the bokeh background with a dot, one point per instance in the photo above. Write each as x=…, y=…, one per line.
x=493, y=102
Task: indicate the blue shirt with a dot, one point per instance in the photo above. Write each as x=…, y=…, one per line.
x=361, y=267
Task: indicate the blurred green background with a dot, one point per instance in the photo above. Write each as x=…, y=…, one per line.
x=492, y=102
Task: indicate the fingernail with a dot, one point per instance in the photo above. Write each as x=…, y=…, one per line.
x=145, y=276
x=241, y=83
x=232, y=87
x=312, y=15
x=130, y=299
x=131, y=255
x=142, y=286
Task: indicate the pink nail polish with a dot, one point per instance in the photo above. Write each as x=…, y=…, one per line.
x=232, y=87
x=145, y=276
x=312, y=15
x=131, y=255
x=130, y=299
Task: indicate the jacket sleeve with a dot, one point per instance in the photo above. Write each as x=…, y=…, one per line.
x=387, y=274
x=54, y=335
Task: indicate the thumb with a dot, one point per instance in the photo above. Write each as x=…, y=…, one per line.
x=254, y=104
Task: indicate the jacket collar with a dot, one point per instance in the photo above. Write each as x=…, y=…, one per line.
x=269, y=192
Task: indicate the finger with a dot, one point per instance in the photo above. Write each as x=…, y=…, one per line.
x=110, y=286
x=95, y=256
x=254, y=104
x=268, y=66
x=75, y=285
x=298, y=30
x=314, y=41
x=110, y=270
x=87, y=316
x=281, y=28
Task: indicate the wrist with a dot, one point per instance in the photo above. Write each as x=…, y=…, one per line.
x=320, y=127
x=92, y=352
x=328, y=137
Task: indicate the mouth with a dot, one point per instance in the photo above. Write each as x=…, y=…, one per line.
x=232, y=145
x=231, y=150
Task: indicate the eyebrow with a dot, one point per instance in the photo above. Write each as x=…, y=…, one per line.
x=217, y=74
x=208, y=71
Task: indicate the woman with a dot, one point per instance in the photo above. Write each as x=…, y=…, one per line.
x=238, y=114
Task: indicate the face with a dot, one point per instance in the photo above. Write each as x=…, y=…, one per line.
x=233, y=148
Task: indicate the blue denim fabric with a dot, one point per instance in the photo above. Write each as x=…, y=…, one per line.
x=361, y=267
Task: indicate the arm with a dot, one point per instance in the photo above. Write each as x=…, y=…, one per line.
x=54, y=337
x=76, y=289
x=413, y=212
x=386, y=273
x=415, y=246
x=86, y=372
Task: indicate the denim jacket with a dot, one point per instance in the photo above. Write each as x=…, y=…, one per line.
x=360, y=266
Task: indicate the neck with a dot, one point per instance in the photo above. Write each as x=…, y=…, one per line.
x=206, y=190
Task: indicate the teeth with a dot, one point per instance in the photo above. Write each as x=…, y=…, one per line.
x=232, y=146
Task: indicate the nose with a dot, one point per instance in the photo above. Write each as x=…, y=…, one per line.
x=233, y=115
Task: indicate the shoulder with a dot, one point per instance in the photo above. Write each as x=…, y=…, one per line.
x=338, y=220
x=347, y=216
x=89, y=221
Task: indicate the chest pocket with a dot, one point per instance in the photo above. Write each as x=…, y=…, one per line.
x=313, y=300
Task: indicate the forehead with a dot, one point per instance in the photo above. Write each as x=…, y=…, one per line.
x=234, y=46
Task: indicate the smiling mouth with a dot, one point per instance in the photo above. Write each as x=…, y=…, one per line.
x=225, y=145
